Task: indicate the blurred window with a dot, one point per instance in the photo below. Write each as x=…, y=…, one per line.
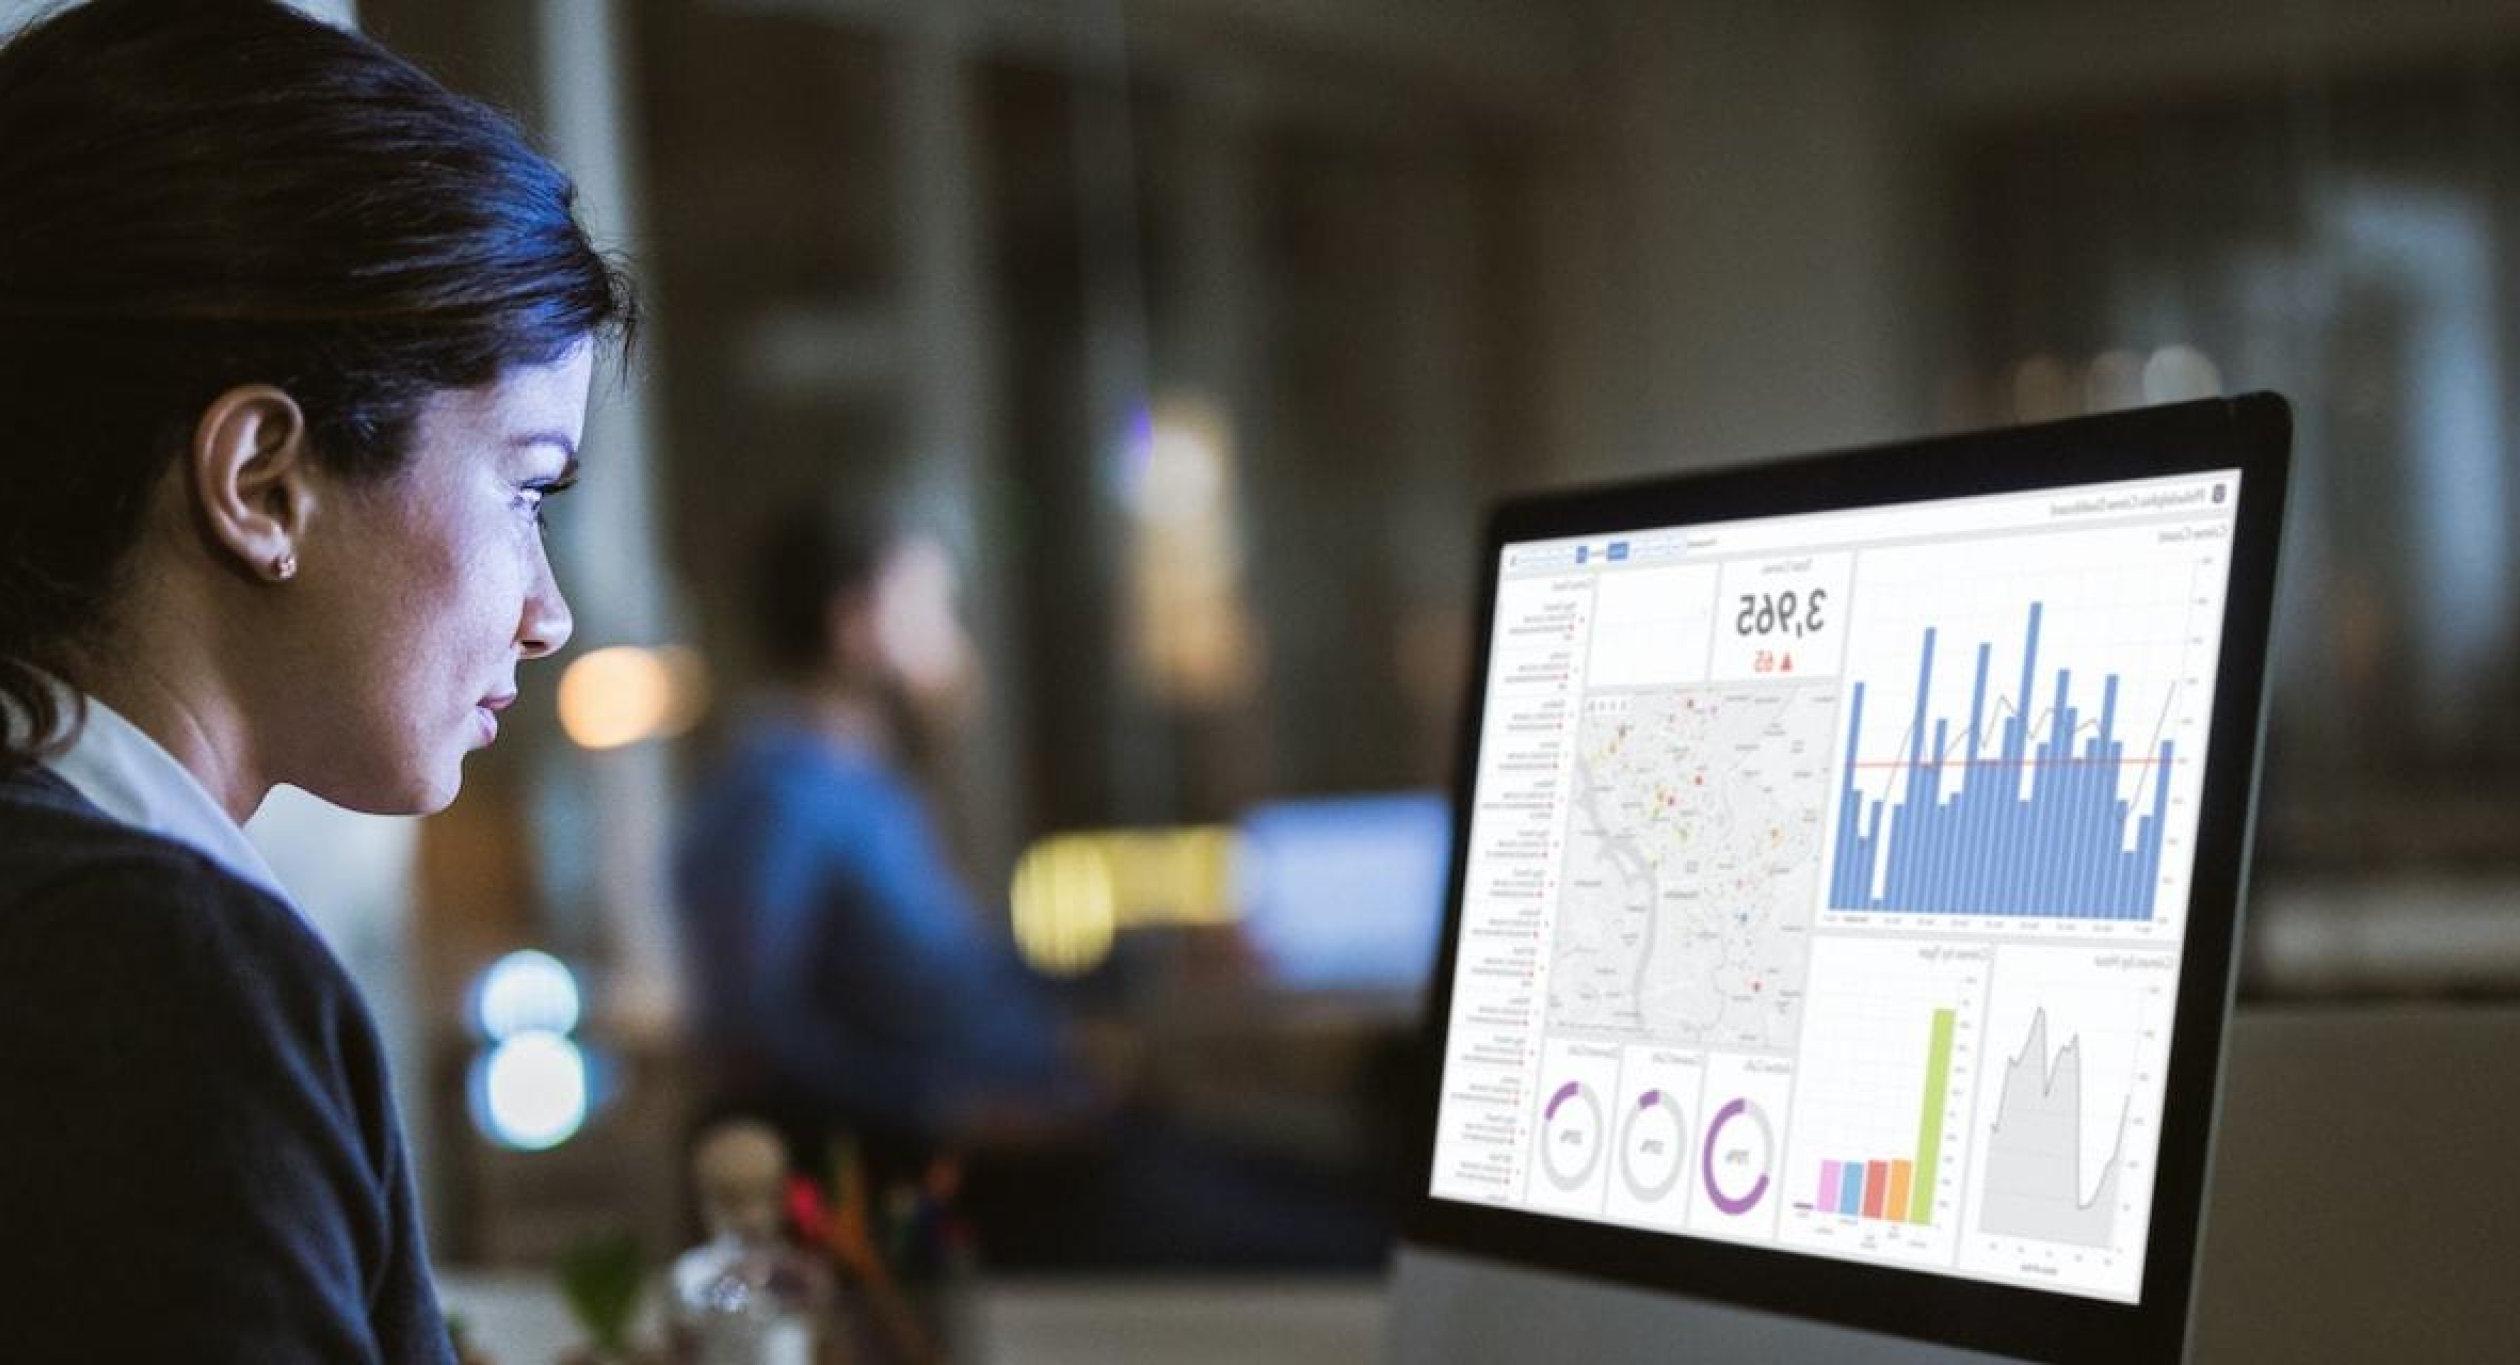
x=2346, y=241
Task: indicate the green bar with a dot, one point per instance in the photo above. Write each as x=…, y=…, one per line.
x=1929, y=1130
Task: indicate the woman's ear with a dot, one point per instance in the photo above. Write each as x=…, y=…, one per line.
x=252, y=478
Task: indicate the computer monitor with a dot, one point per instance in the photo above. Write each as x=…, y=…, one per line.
x=1841, y=936
x=1343, y=895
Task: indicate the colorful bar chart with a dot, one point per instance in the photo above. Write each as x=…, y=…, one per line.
x=1899, y=1190
x=1961, y=835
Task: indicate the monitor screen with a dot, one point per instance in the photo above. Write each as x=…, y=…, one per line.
x=1345, y=893
x=1827, y=878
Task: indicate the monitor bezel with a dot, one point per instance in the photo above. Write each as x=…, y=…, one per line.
x=2251, y=434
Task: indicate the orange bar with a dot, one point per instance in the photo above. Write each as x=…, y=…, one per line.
x=1876, y=1186
x=1901, y=1172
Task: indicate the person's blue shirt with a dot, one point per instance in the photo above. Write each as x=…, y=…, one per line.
x=836, y=952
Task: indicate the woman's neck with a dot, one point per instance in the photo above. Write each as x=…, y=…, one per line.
x=850, y=715
x=199, y=732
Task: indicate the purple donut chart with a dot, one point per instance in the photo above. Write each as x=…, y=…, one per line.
x=1571, y=1129
x=1740, y=1150
x=1653, y=1143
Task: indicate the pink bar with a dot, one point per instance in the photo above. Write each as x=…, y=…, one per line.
x=1828, y=1187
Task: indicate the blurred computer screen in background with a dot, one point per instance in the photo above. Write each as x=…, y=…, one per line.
x=1347, y=895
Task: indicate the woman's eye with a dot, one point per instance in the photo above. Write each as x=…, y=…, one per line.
x=534, y=499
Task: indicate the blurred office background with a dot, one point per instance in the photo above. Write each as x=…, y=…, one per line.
x=1200, y=331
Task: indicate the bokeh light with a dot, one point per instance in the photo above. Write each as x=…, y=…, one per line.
x=524, y=992
x=1073, y=893
x=530, y=1091
x=624, y=694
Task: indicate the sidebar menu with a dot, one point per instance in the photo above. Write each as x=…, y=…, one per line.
x=1517, y=834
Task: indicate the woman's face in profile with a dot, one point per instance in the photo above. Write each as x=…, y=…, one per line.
x=918, y=627
x=429, y=588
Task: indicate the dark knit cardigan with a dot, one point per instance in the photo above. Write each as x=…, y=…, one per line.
x=199, y=1156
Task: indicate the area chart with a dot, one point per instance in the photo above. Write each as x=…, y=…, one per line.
x=2034, y=1154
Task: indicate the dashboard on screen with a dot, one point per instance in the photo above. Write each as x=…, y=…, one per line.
x=1827, y=878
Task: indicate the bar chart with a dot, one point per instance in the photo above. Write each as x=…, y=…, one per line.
x=1877, y=1149
x=1897, y=1189
x=2038, y=827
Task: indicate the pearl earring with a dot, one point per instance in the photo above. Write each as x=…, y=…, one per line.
x=284, y=568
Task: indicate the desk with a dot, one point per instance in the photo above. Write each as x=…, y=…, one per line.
x=2363, y=1208
x=520, y=1321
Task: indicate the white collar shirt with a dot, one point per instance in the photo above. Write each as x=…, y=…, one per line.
x=132, y=778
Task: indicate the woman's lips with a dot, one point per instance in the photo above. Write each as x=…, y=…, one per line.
x=487, y=713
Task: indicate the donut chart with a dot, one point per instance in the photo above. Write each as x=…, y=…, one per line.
x=1571, y=1126
x=1740, y=1150
x=1653, y=1143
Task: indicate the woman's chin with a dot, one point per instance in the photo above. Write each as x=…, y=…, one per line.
x=439, y=791
x=412, y=793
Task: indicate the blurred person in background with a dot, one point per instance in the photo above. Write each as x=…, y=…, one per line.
x=294, y=343
x=845, y=976
x=848, y=982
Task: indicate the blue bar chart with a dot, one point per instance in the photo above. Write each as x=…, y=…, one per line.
x=2037, y=828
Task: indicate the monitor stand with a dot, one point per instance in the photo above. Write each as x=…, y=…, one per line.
x=1449, y=1309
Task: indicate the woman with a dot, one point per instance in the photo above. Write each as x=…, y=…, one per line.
x=294, y=344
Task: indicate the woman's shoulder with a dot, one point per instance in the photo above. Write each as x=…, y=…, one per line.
x=77, y=887
x=215, y=1103
x=117, y=943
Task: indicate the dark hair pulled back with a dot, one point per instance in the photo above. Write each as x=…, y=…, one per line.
x=807, y=555
x=200, y=194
